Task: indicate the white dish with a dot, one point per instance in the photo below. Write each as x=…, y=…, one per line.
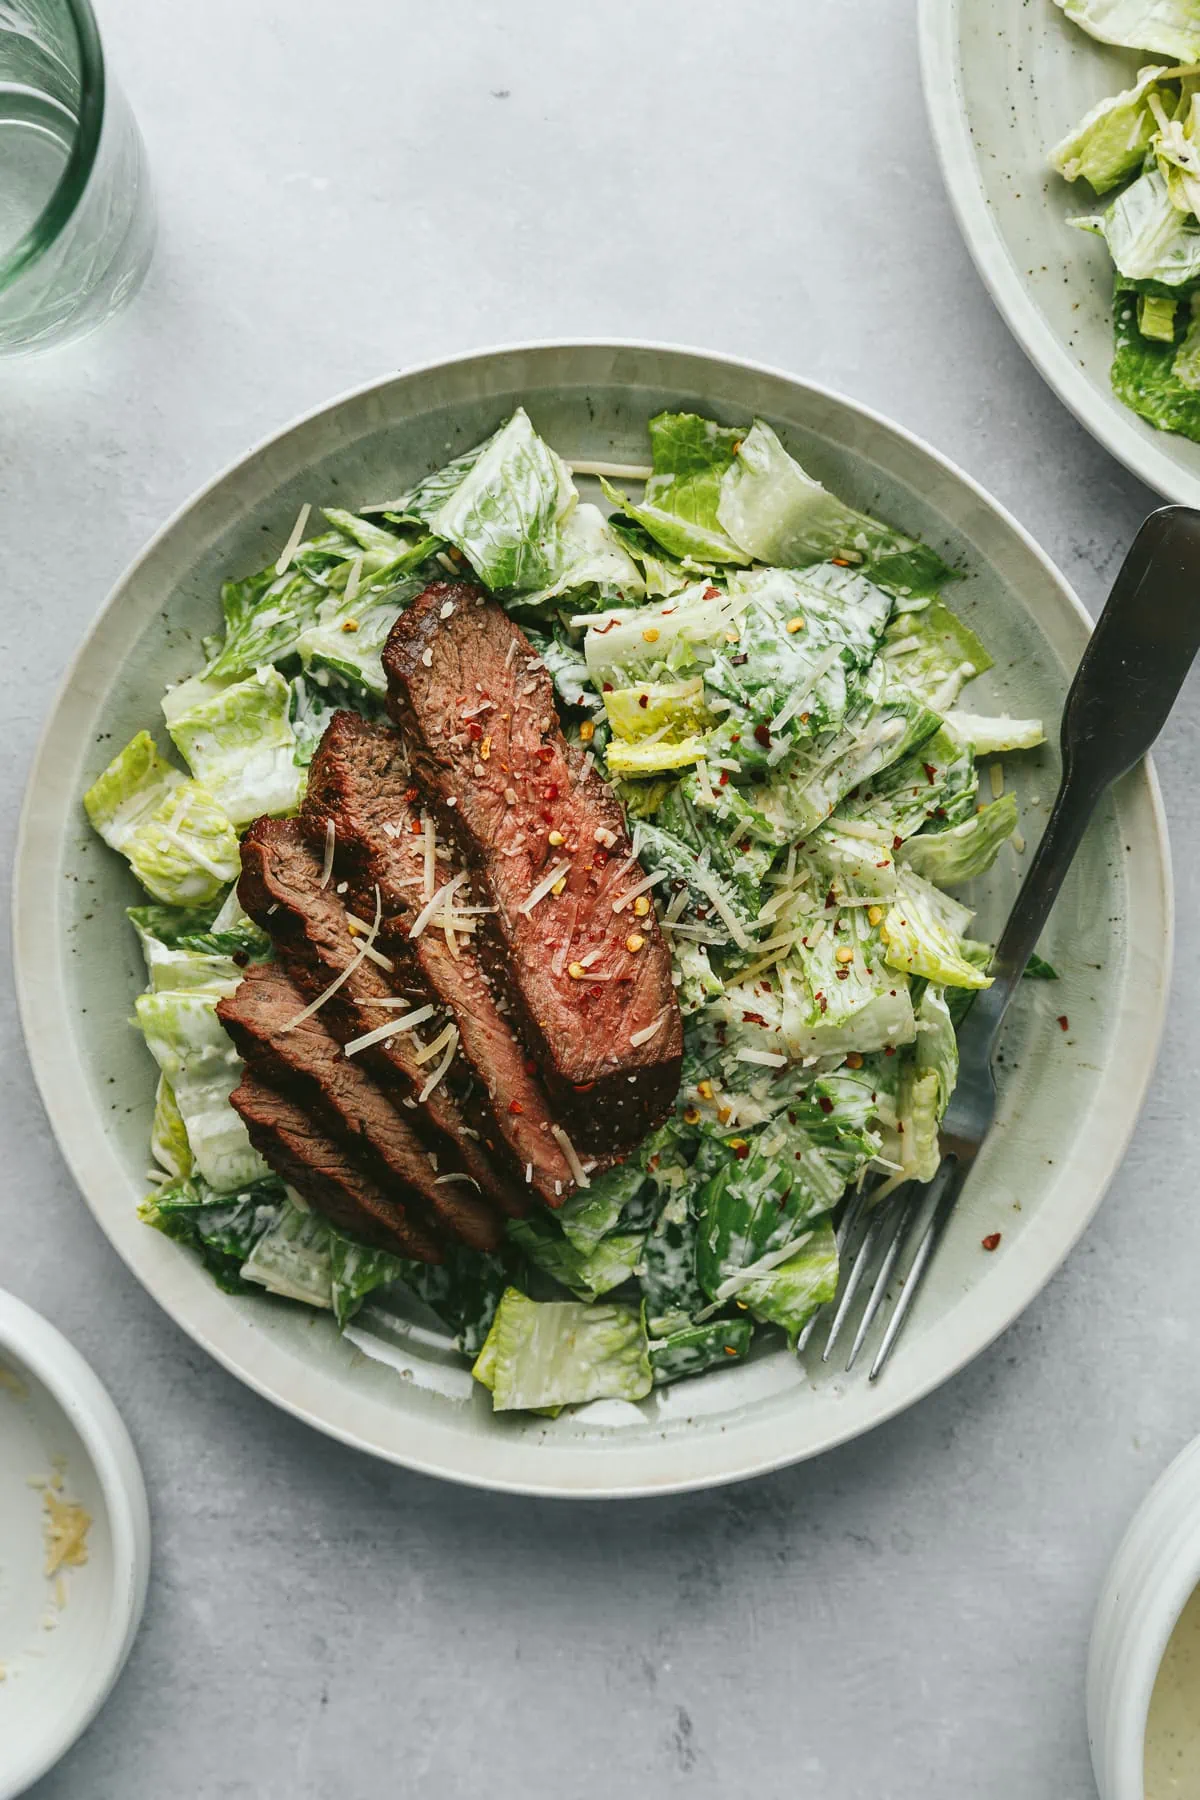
x=400, y=1394
x=1153, y=1575
x=1003, y=83
x=61, y=1660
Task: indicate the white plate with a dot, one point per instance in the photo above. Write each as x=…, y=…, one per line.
x=1069, y=1100
x=61, y=1647
x=1004, y=81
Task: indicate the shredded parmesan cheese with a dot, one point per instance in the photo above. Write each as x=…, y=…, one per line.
x=330, y=839
x=768, y=1058
x=612, y=471
x=443, y=894
x=632, y=893
x=293, y=543
x=544, y=887
x=648, y=1031
x=377, y=1036
x=352, y=581
x=440, y=1071
x=568, y=1149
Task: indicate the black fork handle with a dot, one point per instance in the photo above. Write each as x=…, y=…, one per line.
x=1131, y=671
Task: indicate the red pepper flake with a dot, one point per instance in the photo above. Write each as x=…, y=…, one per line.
x=729, y=1350
x=606, y=687
x=530, y=1066
x=474, y=730
x=740, y=1148
x=737, y=661
x=830, y=900
x=601, y=629
x=596, y=991
x=514, y=1106
x=821, y=1001
x=583, y=1087
x=711, y=593
x=415, y=827
x=551, y=790
x=753, y=1018
x=825, y=1103
x=930, y=773
x=724, y=778
x=889, y=1049
x=762, y=735
x=545, y=753
x=839, y=562
x=736, y=737
x=652, y=1162
x=599, y=859
x=896, y=842
x=643, y=699
x=546, y=816
x=992, y=1241
x=842, y=974
x=1064, y=1023
x=411, y=795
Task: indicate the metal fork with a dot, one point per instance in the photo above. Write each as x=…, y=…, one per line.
x=1131, y=671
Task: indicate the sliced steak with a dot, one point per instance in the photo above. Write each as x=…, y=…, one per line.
x=309, y=1062
x=588, y=980
x=360, y=782
x=280, y=888
x=321, y=1170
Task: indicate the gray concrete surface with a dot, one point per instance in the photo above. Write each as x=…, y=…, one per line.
x=345, y=190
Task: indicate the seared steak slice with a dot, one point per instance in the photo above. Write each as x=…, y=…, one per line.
x=592, y=984
x=320, y=1170
x=360, y=781
x=308, y=1062
x=280, y=888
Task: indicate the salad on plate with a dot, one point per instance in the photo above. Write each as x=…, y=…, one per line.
x=555, y=913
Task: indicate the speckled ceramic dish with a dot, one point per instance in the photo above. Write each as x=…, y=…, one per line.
x=1069, y=1097
x=1004, y=81
x=64, y=1637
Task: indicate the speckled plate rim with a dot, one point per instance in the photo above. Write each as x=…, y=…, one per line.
x=46, y=1353
x=716, y=1452
x=1122, y=435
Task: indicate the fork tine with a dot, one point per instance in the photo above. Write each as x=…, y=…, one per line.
x=851, y=1218
x=862, y=1261
x=954, y=1174
x=900, y=1218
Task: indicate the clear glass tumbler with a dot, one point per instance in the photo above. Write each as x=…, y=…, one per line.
x=76, y=218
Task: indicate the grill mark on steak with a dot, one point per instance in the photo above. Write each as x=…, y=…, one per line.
x=309, y=1062
x=361, y=781
x=610, y=1091
x=280, y=887
x=320, y=1170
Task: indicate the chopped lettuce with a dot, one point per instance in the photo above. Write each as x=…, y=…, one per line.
x=964, y=851
x=791, y=1292
x=1148, y=238
x=588, y=1273
x=933, y=654
x=223, y=1228
x=266, y=614
x=988, y=737
x=346, y=640
x=179, y=842
x=463, y=1290
x=1111, y=140
x=239, y=742
x=1157, y=381
x=186, y=1040
x=548, y=1354
x=594, y=567
x=694, y=1348
x=294, y=1258
x=168, y=1134
x=761, y=1200
x=503, y=505
x=593, y=1212
x=1166, y=27
x=923, y=932
x=680, y=506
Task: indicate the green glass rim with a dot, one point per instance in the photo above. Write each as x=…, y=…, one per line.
x=74, y=179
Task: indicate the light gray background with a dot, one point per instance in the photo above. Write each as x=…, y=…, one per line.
x=345, y=190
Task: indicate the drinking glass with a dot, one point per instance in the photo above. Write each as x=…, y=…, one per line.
x=76, y=219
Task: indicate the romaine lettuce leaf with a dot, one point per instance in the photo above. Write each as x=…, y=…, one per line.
x=662, y=574
x=223, y=1227
x=1111, y=140
x=1167, y=27
x=239, y=742
x=179, y=842
x=556, y=1353
x=463, y=1290
x=791, y=1292
x=594, y=567
x=937, y=784
x=933, y=654
x=168, y=1134
x=680, y=505
x=1148, y=238
x=503, y=505
x=947, y=858
x=765, y=1193
x=592, y=1213
x=988, y=737
x=348, y=636
x=587, y=1273
x=267, y=613
x=294, y=1258
x=694, y=1348
x=1155, y=380
x=922, y=935
x=187, y=1042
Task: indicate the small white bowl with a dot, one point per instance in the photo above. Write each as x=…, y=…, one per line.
x=1153, y=1575
x=61, y=1651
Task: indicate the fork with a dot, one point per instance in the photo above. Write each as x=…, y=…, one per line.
x=1132, y=669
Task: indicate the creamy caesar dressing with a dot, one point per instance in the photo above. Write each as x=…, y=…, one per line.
x=1172, y=1766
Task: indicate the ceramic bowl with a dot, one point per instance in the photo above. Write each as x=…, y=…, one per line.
x=63, y=1642
x=1070, y=1095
